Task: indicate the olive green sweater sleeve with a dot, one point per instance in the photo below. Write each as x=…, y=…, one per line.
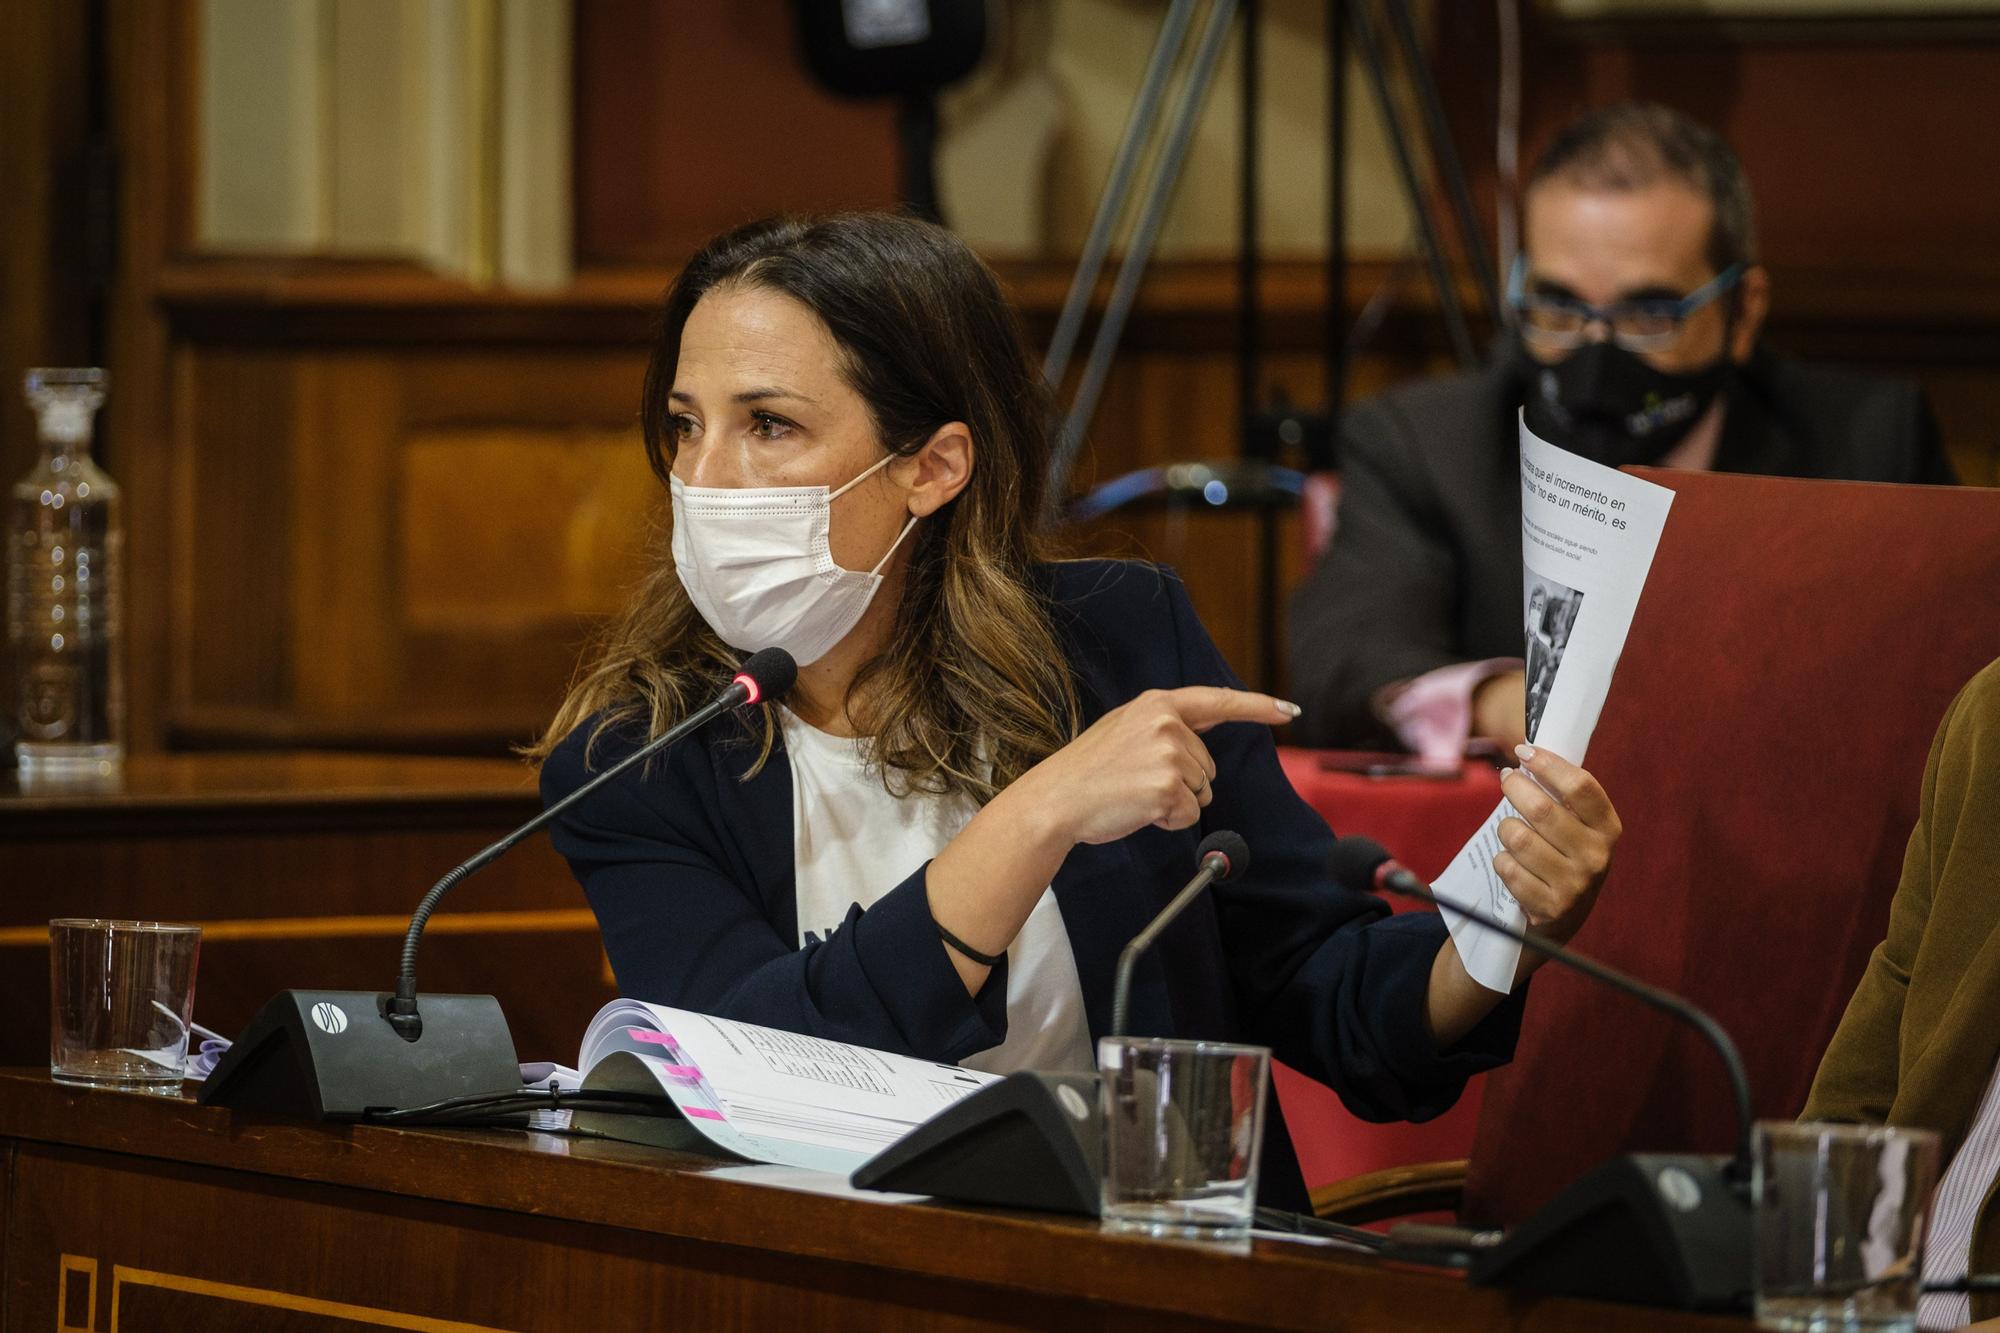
x=1941, y=916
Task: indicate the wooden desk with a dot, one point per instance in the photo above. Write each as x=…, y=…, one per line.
x=126, y=1212
x=302, y=869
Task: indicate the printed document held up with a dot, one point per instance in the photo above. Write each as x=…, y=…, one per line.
x=1588, y=533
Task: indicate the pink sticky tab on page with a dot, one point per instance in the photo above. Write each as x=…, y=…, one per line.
x=701, y=1113
x=681, y=1071
x=656, y=1038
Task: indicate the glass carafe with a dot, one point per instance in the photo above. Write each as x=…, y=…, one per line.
x=63, y=589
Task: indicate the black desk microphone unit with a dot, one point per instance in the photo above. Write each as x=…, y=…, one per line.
x=1035, y=1140
x=344, y=1055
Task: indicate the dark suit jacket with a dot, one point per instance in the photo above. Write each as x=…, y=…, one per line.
x=1425, y=565
x=1918, y=1042
x=690, y=872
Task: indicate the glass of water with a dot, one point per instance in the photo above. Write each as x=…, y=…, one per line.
x=1183, y=1128
x=121, y=999
x=1841, y=1212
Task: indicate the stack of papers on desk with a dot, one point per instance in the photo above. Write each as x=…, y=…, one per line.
x=758, y=1093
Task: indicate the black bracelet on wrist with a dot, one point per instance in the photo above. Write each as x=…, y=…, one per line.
x=983, y=959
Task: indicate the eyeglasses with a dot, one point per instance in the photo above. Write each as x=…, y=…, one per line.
x=1562, y=323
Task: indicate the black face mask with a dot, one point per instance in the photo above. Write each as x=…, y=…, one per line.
x=1614, y=408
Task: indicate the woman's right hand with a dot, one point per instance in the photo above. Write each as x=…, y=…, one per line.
x=1144, y=762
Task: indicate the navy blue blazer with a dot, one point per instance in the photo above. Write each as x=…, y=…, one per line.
x=689, y=869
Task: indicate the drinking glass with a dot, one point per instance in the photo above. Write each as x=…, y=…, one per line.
x=1841, y=1211
x=121, y=997
x=1183, y=1127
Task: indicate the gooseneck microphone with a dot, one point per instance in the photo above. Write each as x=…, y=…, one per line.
x=1668, y=1229
x=1223, y=855
x=768, y=674
x=1357, y=862
x=350, y=1055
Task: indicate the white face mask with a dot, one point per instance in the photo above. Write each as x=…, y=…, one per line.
x=757, y=563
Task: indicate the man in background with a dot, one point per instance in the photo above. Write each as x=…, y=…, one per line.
x=1638, y=302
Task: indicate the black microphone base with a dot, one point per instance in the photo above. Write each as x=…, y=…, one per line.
x=1028, y=1141
x=331, y=1055
x=1660, y=1229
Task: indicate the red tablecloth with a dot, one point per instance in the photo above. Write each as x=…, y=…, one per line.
x=1423, y=822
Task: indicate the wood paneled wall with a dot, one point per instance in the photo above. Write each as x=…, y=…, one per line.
x=1862, y=140
x=434, y=525
x=693, y=118
x=374, y=508
x=399, y=508
x=44, y=297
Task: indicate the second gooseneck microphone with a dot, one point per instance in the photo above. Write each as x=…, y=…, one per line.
x=1222, y=856
x=1361, y=863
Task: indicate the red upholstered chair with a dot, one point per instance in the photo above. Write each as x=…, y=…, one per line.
x=1765, y=736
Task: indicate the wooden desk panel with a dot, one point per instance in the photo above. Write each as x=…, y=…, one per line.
x=170, y=1215
x=303, y=869
x=385, y=1261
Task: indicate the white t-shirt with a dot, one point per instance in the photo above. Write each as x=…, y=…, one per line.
x=852, y=842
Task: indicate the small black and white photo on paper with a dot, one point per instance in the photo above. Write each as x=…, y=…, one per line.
x=1549, y=614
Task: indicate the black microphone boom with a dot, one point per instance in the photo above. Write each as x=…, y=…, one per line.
x=768, y=674
x=1357, y=860
x=323, y=1054
x=1649, y=1228
x=1223, y=855
x=1970, y=1284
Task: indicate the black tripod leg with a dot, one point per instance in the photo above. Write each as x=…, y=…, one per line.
x=1336, y=214
x=1399, y=140
x=1445, y=153
x=1249, y=368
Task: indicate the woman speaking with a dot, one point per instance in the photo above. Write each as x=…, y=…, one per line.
x=995, y=766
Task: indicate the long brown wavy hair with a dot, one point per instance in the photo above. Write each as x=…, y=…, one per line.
x=972, y=688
